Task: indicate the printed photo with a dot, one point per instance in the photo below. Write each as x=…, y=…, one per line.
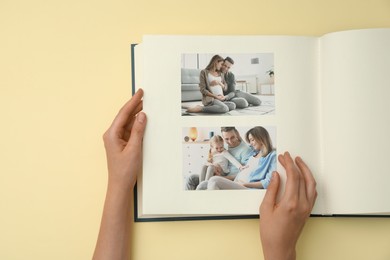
x=227, y=84
x=228, y=157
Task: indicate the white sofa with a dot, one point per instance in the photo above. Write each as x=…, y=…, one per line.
x=190, y=85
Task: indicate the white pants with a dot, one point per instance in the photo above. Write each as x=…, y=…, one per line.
x=221, y=183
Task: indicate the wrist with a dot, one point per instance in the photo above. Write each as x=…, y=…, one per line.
x=120, y=186
x=278, y=250
x=122, y=178
x=288, y=254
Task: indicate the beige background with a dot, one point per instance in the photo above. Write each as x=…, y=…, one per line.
x=65, y=71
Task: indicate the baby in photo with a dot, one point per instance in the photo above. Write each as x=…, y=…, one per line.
x=218, y=160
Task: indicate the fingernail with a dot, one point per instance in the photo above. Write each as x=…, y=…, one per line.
x=141, y=117
x=138, y=91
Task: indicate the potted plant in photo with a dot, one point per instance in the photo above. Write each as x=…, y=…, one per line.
x=271, y=75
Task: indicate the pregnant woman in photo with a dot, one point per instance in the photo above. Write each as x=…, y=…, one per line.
x=211, y=86
x=257, y=172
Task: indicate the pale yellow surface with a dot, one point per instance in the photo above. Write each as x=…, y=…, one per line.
x=65, y=71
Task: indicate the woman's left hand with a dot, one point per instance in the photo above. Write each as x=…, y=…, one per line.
x=123, y=143
x=214, y=83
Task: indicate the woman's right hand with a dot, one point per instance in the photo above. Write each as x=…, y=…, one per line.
x=221, y=97
x=281, y=222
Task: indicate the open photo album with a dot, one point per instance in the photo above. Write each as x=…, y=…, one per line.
x=221, y=108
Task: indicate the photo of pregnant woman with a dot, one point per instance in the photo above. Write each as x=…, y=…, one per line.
x=228, y=84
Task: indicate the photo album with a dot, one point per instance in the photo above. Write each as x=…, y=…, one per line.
x=221, y=108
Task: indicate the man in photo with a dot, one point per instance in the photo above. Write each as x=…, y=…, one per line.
x=240, y=98
x=237, y=147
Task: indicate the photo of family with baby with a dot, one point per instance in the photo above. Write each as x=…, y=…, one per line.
x=228, y=84
x=228, y=158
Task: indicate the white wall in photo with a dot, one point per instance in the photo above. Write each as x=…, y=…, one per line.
x=252, y=68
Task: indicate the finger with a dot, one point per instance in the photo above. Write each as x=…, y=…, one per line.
x=281, y=160
x=127, y=131
x=292, y=173
x=131, y=119
x=137, y=133
x=303, y=200
x=130, y=123
x=270, y=197
x=127, y=111
x=310, y=183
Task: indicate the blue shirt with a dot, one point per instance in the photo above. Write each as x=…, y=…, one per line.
x=263, y=172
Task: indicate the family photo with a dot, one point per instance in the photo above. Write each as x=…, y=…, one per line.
x=227, y=84
x=228, y=158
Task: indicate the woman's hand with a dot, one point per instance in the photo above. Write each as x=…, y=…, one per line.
x=221, y=97
x=281, y=223
x=123, y=143
x=214, y=83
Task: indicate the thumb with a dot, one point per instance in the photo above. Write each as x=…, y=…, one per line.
x=137, y=132
x=269, y=200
